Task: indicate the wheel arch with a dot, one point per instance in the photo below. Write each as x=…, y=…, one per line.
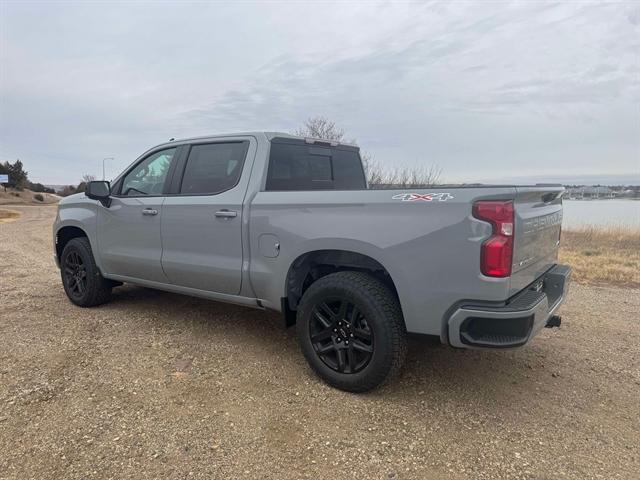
x=65, y=234
x=315, y=264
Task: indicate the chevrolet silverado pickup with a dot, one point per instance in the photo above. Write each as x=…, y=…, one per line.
x=273, y=221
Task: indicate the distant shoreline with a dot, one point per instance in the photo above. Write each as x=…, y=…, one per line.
x=599, y=199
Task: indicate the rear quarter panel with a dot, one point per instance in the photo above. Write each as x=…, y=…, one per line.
x=431, y=249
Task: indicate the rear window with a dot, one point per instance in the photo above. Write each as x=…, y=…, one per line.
x=296, y=165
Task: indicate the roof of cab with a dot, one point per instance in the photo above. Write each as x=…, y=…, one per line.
x=269, y=135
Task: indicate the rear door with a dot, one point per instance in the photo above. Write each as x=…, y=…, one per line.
x=202, y=218
x=129, y=241
x=538, y=220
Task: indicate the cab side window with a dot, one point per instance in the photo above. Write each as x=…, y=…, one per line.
x=213, y=168
x=148, y=177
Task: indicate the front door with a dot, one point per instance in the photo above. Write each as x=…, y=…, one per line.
x=202, y=219
x=129, y=240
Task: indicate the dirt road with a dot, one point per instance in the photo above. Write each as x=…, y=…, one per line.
x=155, y=385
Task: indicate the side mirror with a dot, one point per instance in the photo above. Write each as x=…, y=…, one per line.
x=99, y=190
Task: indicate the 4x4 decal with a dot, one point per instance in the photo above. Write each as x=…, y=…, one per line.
x=425, y=197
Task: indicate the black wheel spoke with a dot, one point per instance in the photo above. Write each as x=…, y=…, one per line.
x=324, y=309
x=77, y=286
x=326, y=322
x=326, y=349
x=362, y=334
x=323, y=335
x=351, y=355
x=358, y=345
x=342, y=363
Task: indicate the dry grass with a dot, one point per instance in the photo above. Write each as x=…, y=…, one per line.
x=8, y=215
x=26, y=197
x=603, y=255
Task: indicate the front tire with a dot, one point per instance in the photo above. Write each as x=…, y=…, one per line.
x=351, y=331
x=81, y=277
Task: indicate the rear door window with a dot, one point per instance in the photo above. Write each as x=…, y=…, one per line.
x=296, y=165
x=213, y=168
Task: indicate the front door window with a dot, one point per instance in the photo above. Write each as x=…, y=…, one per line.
x=148, y=177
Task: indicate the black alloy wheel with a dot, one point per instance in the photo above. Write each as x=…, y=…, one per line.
x=351, y=331
x=341, y=336
x=75, y=274
x=81, y=278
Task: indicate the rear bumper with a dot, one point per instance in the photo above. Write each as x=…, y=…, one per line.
x=516, y=321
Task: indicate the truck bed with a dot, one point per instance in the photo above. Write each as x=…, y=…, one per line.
x=427, y=239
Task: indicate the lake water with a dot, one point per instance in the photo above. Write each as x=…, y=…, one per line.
x=601, y=213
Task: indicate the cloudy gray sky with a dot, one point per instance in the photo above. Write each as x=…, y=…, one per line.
x=485, y=90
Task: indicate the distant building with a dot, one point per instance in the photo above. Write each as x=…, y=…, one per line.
x=590, y=193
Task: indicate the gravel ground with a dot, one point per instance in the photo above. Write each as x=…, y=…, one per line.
x=155, y=385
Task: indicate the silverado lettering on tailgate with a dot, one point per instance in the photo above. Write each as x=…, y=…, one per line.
x=542, y=223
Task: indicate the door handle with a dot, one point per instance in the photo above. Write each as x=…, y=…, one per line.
x=149, y=211
x=226, y=214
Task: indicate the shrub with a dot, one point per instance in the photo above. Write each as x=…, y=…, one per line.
x=68, y=190
x=39, y=188
x=39, y=197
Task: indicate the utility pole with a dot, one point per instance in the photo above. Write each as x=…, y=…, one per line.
x=106, y=158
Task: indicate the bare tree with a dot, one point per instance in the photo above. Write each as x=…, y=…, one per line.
x=86, y=178
x=405, y=177
x=320, y=127
x=377, y=176
x=371, y=168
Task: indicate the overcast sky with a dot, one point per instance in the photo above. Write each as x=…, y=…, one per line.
x=485, y=90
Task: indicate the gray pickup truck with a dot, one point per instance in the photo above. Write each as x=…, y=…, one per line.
x=273, y=221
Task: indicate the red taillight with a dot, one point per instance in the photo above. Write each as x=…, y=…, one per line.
x=497, y=250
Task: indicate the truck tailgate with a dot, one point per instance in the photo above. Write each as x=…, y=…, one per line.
x=538, y=219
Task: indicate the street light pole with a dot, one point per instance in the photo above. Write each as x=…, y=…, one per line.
x=106, y=158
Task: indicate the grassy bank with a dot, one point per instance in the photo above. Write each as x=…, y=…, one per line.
x=603, y=255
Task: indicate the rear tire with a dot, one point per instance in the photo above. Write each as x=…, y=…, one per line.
x=81, y=277
x=351, y=331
